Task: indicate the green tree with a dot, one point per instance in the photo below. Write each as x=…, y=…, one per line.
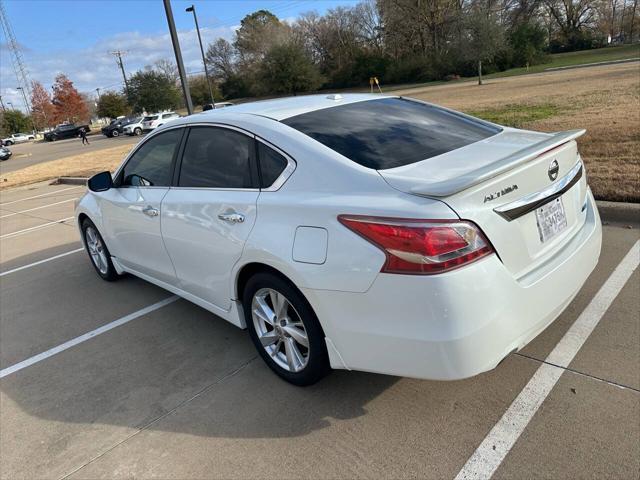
x=258, y=32
x=14, y=121
x=199, y=89
x=484, y=35
x=286, y=69
x=112, y=105
x=152, y=91
x=528, y=41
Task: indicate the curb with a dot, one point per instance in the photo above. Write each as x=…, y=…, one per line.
x=70, y=181
x=619, y=212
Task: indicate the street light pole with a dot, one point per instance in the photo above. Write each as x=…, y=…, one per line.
x=176, y=50
x=204, y=61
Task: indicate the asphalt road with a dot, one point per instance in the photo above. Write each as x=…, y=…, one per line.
x=174, y=392
x=31, y=153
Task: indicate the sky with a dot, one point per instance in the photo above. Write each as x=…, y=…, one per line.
x=75, y=36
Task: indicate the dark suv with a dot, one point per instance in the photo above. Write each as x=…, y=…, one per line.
x=65, y=131
x=115, y=128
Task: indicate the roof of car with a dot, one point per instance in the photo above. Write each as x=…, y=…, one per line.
x=281, y=108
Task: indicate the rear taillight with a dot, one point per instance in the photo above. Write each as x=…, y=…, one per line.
x=421, y=246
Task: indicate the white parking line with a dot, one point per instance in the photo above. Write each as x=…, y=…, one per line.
x=38, y=208
x=39, y=196
x=87, y=336
x=37, y=227
x=40, y=262
x=497, y=444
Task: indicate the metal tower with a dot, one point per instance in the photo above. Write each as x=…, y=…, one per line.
x=22, y=75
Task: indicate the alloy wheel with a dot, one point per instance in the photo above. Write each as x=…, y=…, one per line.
x=280, y=329
x=96, y=250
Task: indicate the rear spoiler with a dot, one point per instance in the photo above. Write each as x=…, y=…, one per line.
x=486, y=172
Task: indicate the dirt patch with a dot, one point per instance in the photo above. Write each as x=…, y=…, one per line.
x=82, y=165
x=604, y=100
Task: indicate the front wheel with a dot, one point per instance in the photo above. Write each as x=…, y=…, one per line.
x=115, y=133
x=98, y=251
x=285, y=330
x=8, y=143
x=137, y=131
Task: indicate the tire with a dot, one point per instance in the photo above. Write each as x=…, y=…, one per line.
x=8, y=143
x=101, y=259
x=285, y=353
x=115, y=133
x=137, y=131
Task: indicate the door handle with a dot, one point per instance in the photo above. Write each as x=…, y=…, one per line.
x=150, y=211
x=231, y=217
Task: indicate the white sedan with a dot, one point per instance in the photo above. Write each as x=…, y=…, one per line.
x=17, y=138
x=356, y=232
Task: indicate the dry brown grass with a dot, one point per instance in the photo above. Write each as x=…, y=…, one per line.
x=83, y=165
x=604, y=100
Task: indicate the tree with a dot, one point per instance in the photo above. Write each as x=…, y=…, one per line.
x=43, y=110
x=112, y=105
x=14, y=121
x=572, y=17
x=258, y=32
x=286, y=69
x=69, y=104
x=167, y=68
x=484, y=35
x=221, y=59
x=152, y=91
x=199, y=89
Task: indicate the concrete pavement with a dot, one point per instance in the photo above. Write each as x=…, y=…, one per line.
x=179, y=393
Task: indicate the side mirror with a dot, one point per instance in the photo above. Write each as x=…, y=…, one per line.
x=100, y=182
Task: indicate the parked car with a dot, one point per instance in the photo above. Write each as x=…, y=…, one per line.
x=65, y=131
x=116, y=127
x=134, y=128
x=157, y=119
x=211, y=106
x=17, y=138
x=5, y=153
x=357, y=232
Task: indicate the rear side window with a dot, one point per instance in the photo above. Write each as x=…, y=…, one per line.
x=216, y=158
x=271, y=164
x=151, y=164
x=390, y=132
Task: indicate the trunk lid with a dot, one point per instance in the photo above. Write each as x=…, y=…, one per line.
x=499, y=183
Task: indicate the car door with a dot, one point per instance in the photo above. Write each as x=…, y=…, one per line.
x=208, y=215
x=131, y=210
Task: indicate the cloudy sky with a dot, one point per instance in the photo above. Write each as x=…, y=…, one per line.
x=75, y=36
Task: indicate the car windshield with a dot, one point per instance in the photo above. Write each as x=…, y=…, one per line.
x=390, y=132
x=151, y=118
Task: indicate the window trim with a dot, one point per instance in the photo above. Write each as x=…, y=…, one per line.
x=117, y=176
x=286, y=172
x=252, y=159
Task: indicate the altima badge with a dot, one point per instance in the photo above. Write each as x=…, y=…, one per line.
x=554, y=168
x=500, y=193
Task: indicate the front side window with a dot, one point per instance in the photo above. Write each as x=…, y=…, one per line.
x=216, y=158
x=152, y=163
x=271, y=165
x=390, y=132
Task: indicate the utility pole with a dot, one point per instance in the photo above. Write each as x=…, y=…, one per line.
x=2, y=104
x=176, y=50
x=204, y=61
x=118, y=54
x=98, y=91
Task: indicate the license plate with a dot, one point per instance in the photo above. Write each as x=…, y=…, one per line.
x=551, y=219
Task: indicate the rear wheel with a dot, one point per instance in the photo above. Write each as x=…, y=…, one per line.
x=8, y=142
x=115, y=133
x=98, y=251
x=285, y=330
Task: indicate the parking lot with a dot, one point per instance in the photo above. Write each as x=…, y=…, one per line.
x=122, y=380
x=32, y=153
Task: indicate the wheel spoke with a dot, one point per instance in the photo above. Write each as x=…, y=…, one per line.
x=295, y=360
x=279, y=303
x=275, y=350
x=269, y=338
x=297, y=334
x=263, y=311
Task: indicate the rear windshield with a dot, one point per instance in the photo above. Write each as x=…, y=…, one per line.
x=390, y=132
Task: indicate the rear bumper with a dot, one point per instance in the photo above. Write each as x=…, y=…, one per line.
x=458, y=324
